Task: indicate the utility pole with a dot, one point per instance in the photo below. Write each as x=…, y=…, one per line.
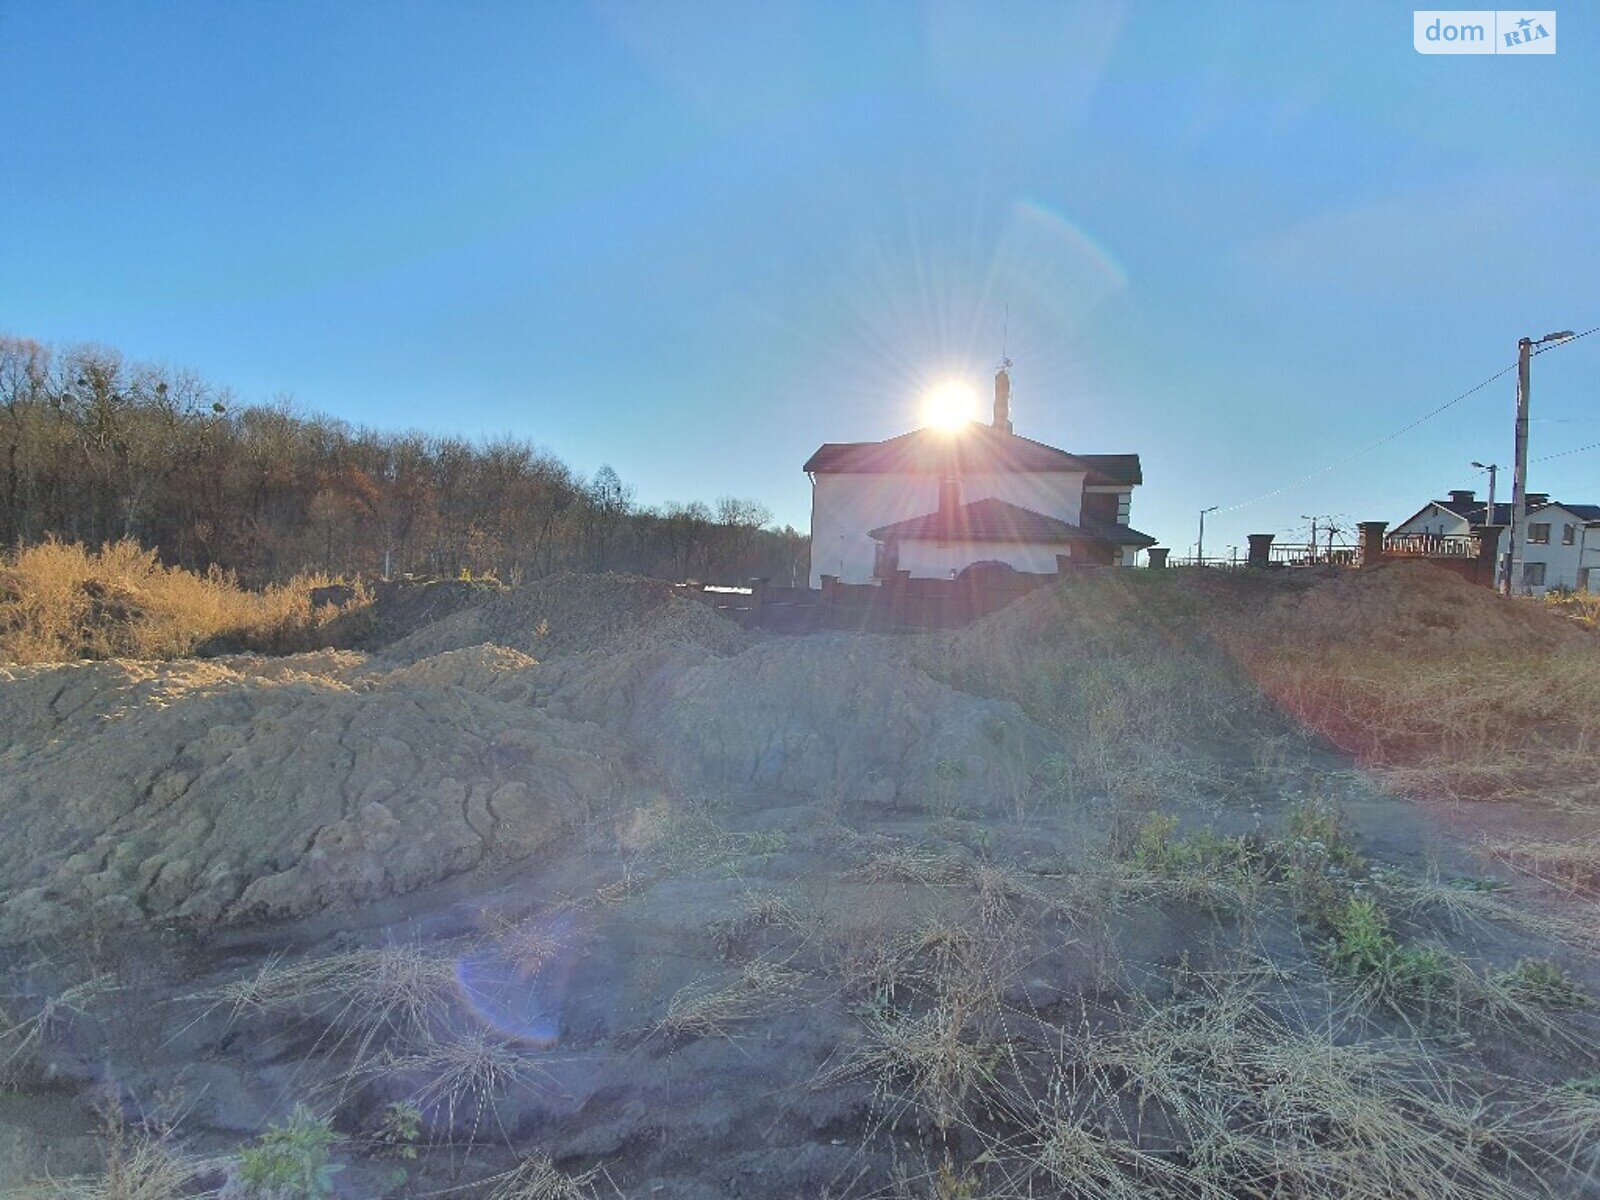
x=1488, y=509
x=1200, y=546
x=1519, y=479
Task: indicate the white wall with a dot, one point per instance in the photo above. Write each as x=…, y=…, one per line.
x=1435, y=520
x=845, y=506
x=1561, y=561
x=930, y=560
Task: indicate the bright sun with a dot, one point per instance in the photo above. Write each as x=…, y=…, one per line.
x=950, y=405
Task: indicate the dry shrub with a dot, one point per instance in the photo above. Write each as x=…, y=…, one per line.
x=1581, y=607
x=61, y=601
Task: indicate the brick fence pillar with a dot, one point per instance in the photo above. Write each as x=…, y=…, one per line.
x=1372, y=542
x=1488, y=554
x=1260, y=549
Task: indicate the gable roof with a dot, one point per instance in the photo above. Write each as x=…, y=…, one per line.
x=973, y=450
x=1472, y=511
x=993, y=520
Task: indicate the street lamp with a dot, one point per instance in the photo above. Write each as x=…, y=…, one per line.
x=1526, y=348
x=1488, y=511
x=1200, y=546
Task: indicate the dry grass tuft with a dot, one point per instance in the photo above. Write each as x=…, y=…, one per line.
x=909, y=865
x=536, y=1178
x=17, y=1037
x=365, y=998
x=60, y=602
x=703, y=1010
x=1572, y=866
x=138, y=1166
x=465, y=1077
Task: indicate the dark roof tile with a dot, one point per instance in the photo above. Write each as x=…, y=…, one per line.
x=973, y=450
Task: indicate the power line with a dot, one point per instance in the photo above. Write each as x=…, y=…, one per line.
x=1564, y=453
x=1384, y=441
x=1404, y=429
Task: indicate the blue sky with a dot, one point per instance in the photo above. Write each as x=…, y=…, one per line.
x=696, y=240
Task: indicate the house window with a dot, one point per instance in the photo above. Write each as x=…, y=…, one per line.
x=1569, y=534
x=1533, y=573
x=1539, y=535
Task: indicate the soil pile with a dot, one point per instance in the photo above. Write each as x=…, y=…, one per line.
x=240, y=788
x=571, y=613
x=837, y=717
x=1411, y=607
x=1058, y=904
x=402, y=607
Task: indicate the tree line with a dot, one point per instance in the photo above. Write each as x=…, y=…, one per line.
x=96, y=449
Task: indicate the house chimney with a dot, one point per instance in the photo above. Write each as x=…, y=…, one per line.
x=1002, y=397
x=1537, y=499
x=1462, y=496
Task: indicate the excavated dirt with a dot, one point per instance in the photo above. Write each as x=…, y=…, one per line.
x=581, y=870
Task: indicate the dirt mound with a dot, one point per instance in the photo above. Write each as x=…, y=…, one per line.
x=570, y=613
x=1410, y=606
x=214, y=791
x=401, y=607
x=840, y=717
x=934, y=915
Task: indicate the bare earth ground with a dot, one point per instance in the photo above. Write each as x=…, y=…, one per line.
x=1152, y=884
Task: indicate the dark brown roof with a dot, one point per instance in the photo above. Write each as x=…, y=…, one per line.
x=974, y=450
x=995, y=520
x=1472, y=511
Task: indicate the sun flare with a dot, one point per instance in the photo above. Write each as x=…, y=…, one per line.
x=950, y=405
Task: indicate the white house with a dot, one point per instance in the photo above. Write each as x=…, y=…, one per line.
x=1563, y=549
x=935, y=501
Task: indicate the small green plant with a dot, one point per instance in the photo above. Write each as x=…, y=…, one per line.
x=768, y=844
x=1315, y=827
x=1587, y=1086
x=1542, y=982
x=292, y=1161
x=1056, y=773
x=1363, y=949
x=1157, y=849
x=400, y=1129
x=1315, y=859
